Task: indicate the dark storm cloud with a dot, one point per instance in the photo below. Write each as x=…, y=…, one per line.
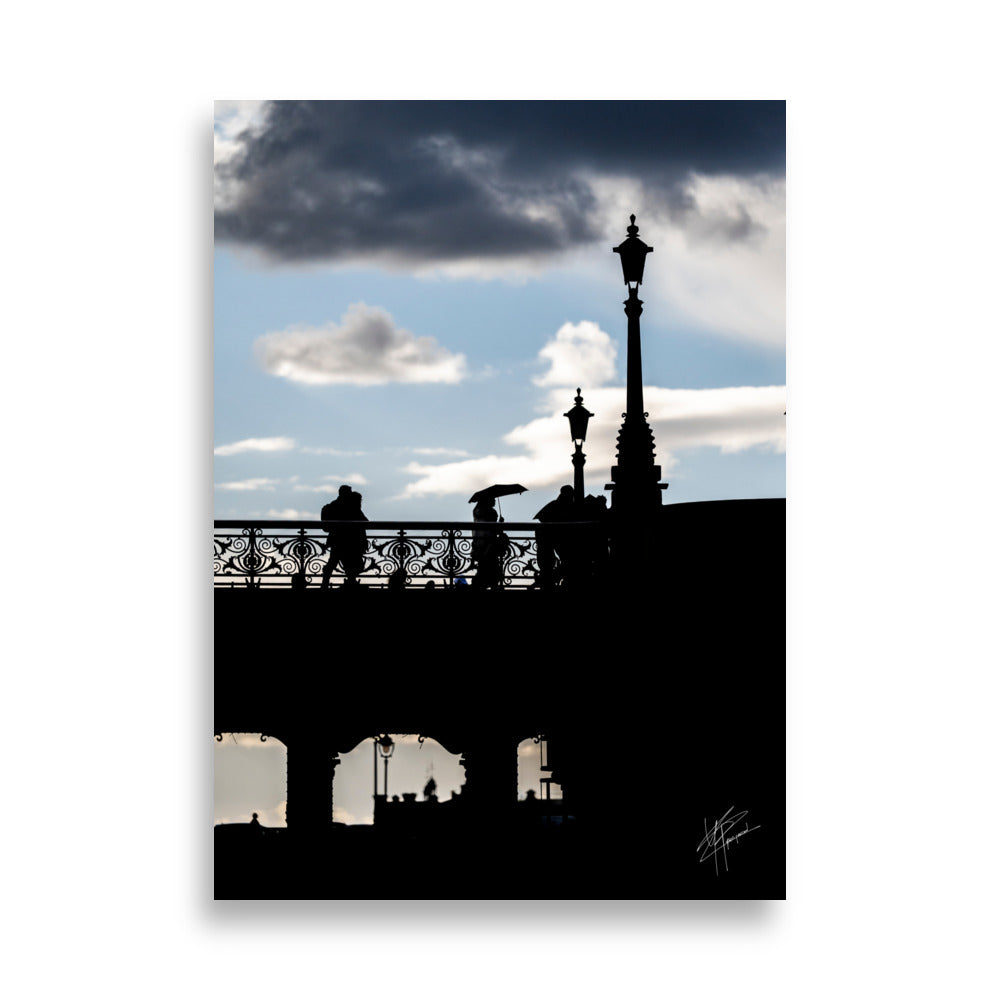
x=446, y=181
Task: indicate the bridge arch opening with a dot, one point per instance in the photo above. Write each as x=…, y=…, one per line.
x=414, y=764
x=533, y=778
x=250, y=776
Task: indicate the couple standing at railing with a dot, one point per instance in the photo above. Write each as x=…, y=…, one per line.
x=347, y=543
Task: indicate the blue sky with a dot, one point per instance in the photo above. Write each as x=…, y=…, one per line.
x=418, y=329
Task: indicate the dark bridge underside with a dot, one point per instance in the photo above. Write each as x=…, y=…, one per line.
x=663, y=705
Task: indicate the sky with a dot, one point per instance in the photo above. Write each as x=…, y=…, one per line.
x=408, y=294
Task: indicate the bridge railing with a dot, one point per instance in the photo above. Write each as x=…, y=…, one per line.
x=405, y=554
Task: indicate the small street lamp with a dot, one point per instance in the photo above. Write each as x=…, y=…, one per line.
x=578, y=416
x=386, y=746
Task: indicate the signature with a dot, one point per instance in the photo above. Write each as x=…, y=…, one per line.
x=718, y=838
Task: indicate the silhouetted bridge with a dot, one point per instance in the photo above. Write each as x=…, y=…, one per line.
x=660, y=688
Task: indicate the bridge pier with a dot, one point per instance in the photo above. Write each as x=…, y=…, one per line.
x=310, y=767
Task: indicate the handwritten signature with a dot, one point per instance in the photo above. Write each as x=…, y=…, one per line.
x=717, y=839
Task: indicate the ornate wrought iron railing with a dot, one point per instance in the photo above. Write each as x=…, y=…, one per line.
x=399, y=554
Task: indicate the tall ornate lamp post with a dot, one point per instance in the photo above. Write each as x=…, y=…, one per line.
x=635, y=487
x=579, y=415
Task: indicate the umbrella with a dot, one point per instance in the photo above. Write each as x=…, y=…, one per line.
x=493, y=492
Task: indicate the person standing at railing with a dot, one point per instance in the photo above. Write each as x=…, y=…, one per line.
x=597, y=558
x=486, y=544
x=354, y=540
x=347, y=544
x=549, y=544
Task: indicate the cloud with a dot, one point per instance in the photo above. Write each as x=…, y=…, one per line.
x=290, y=514
x=581, y=354
x=309, y=450
x=456, y=452
x=418, y=182
x=329, y=483
x=256, y=444
x=730, y=419
x=366, y=348
x=719, y=250
x=248, y=484
x=235, y=123
x=488, y=189
x=733, y=286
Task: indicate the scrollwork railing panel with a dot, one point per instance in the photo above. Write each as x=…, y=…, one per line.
x=275, y=554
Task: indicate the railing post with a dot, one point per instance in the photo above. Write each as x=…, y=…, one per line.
x=299, y=551
x=252, y=559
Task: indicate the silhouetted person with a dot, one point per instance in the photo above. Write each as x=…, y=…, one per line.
x=347, y=543
x=486, y=545
x=597, y=555
x=354, y=540
x=333, y=511
x=551, y=544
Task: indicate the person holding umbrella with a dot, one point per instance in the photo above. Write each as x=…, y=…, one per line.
x=488, y=542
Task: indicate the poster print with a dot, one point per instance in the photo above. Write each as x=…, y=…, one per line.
x=499, y=477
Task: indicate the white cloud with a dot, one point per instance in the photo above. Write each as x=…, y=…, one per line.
x=248, y=484
x=256, y=444
x=730, y=419
x=366, y=348
x=455, y=452
x=718, y=249
x=352, y=477
x=290, y=514
x=309, y=450
x=581, y=354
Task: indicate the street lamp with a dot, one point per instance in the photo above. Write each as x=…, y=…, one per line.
x=578, y=416
x=385, y=748
x=635, y=478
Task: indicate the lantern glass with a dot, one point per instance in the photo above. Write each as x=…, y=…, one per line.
x=386, y=746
